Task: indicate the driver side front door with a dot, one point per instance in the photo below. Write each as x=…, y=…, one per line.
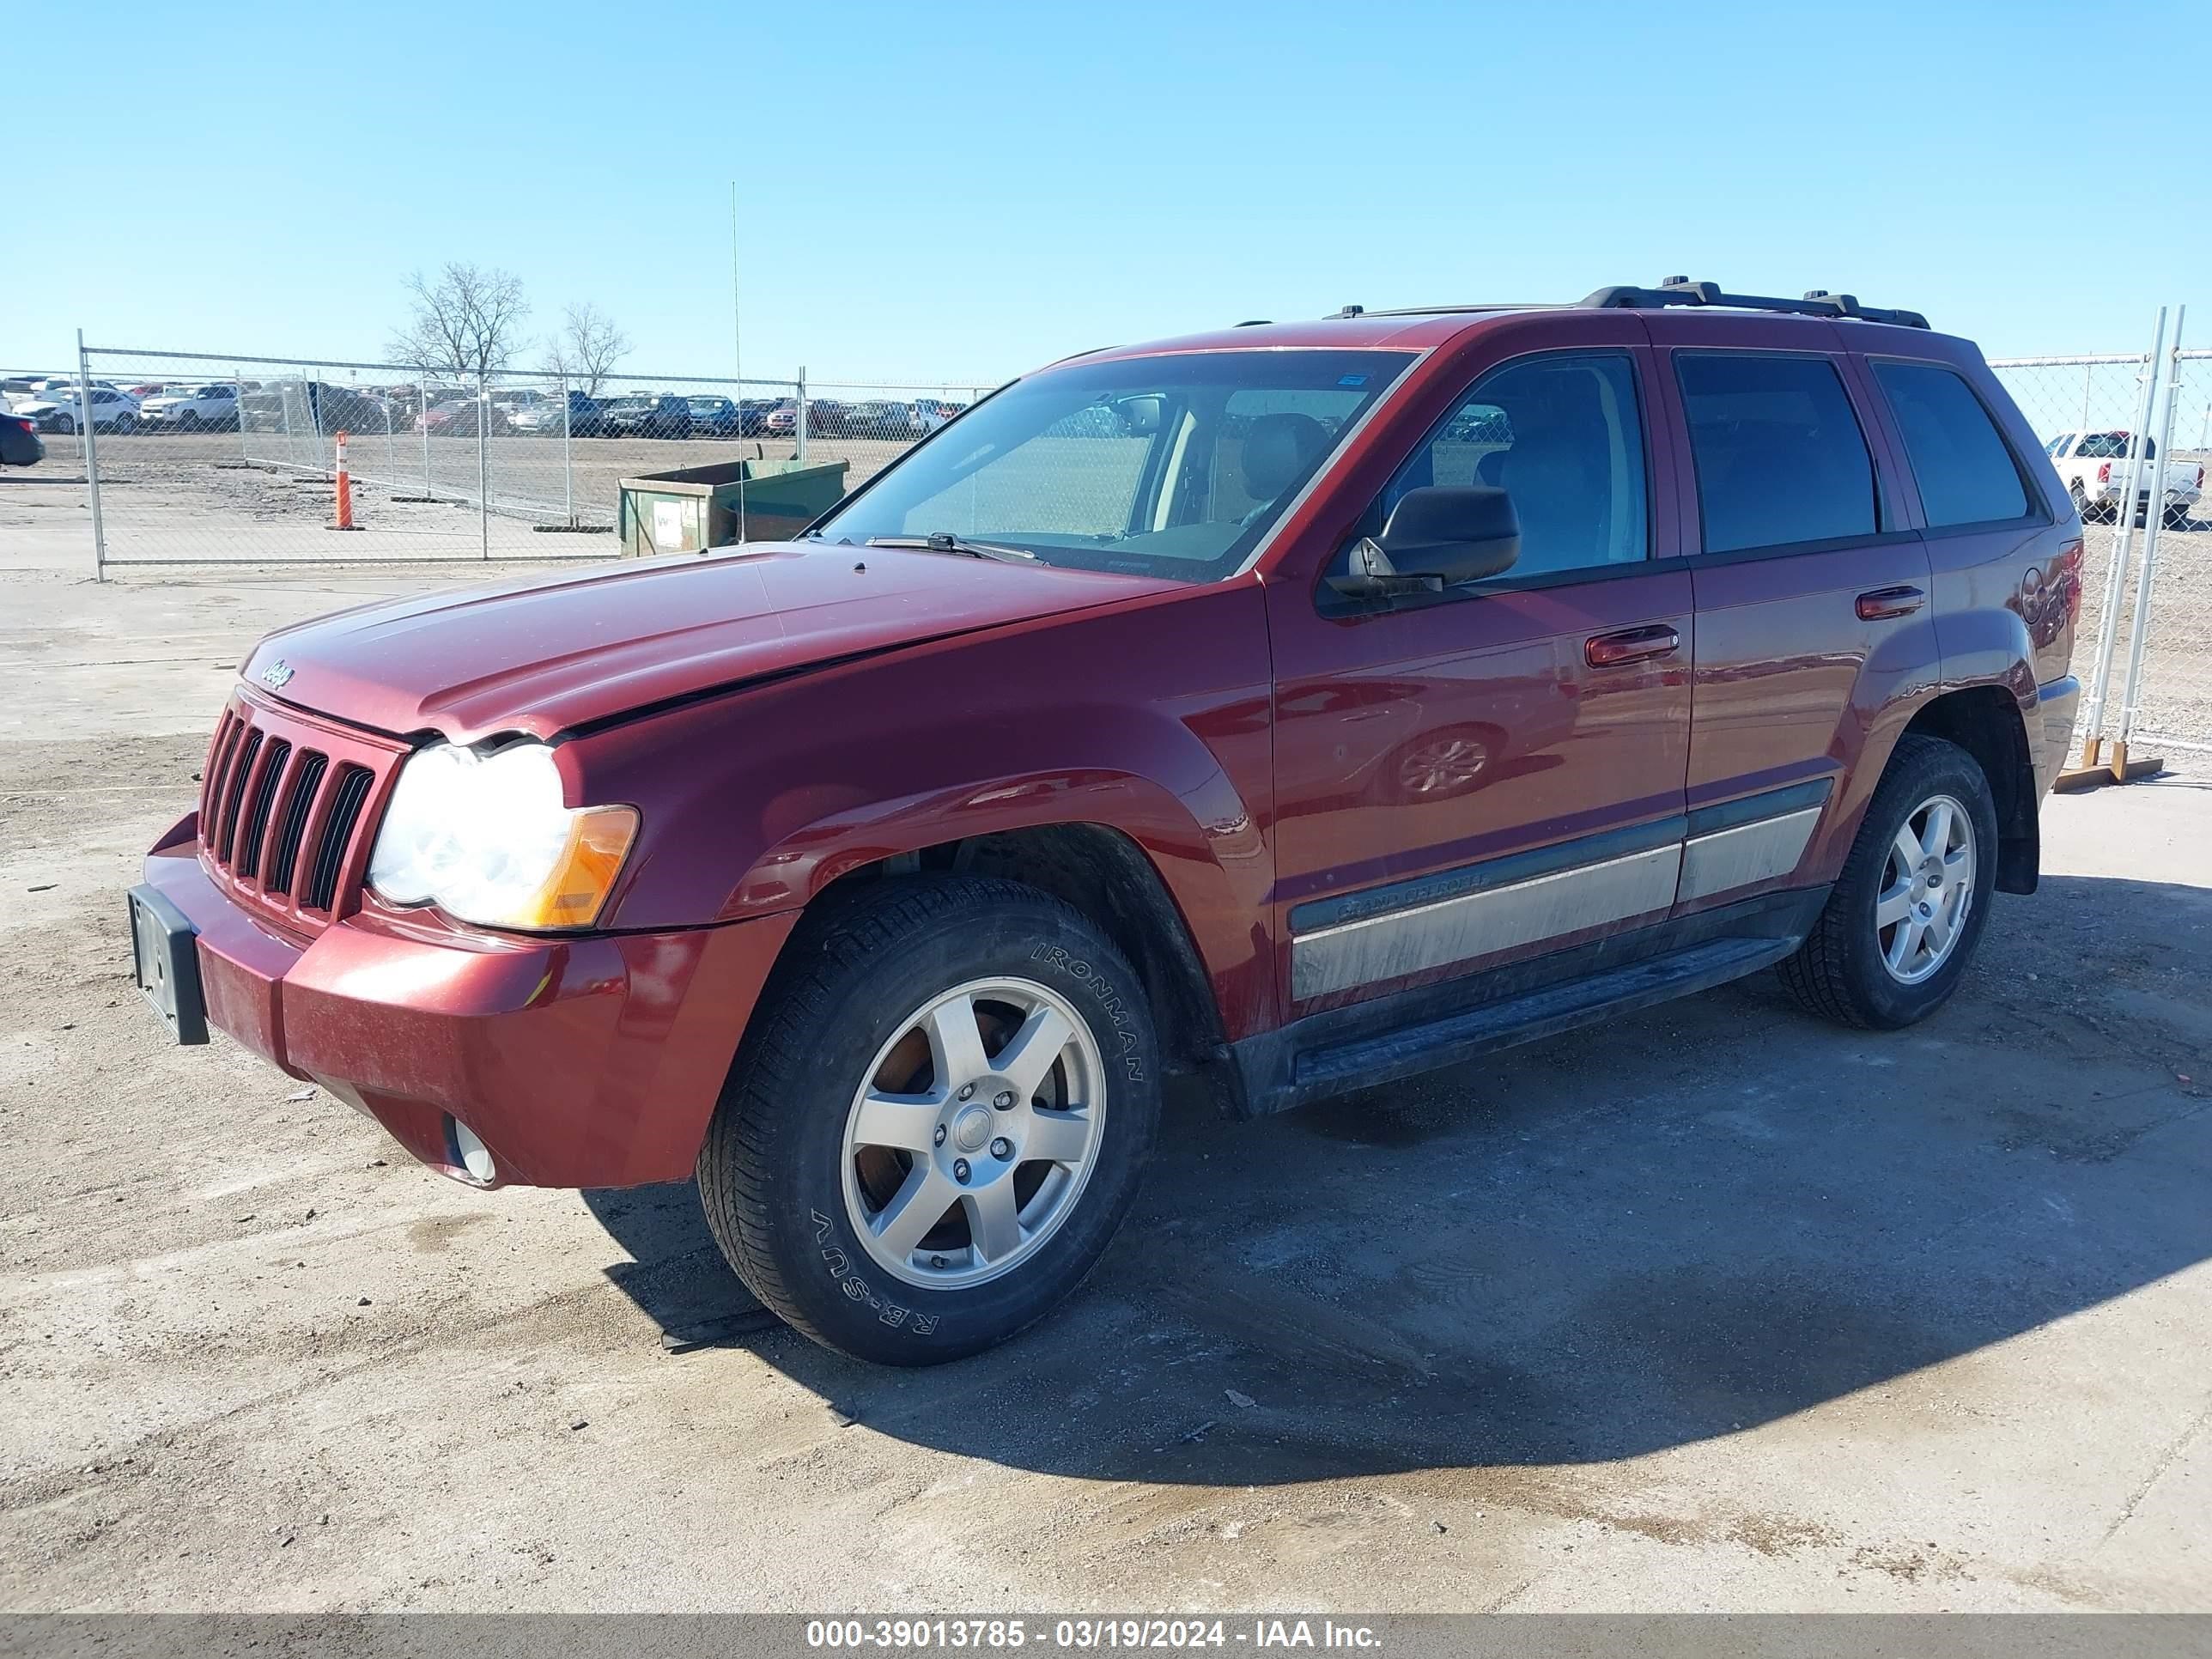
x=1469, y=780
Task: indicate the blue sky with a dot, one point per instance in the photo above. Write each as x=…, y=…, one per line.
x=962, y=191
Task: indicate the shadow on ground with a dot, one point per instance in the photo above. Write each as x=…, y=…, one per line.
x=1669, y=1229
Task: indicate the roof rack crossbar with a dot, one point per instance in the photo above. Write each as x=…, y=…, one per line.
x=1682, y=291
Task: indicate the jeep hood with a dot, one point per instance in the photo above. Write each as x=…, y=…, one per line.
x=546, y=654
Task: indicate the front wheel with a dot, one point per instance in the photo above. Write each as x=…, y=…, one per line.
x=937, y=1121
x=1904, y=918
x=66, y=426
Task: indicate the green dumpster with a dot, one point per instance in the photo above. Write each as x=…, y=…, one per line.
x=694, y=507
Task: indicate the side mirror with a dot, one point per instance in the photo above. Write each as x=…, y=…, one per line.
x=1140, y=415
x=1437, y=537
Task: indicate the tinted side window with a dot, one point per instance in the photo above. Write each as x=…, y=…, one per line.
x=1779, y=454
x=1562, y=436
x=1965, y=472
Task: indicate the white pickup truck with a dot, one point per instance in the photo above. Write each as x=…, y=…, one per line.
x=2093, y=467
x=188, y=409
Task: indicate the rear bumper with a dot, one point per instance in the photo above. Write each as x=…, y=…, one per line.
x=2051, y=729
x=580, y=1062
x=2173, y=495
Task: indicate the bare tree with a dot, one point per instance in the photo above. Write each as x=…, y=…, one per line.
x=587, y=347
x=467, y=323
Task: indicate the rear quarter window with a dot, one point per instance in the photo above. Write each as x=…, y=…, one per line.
x=1964, y=467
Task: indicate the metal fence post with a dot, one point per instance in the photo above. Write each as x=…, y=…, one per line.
x=567, y=466
x=2123, y=527
x=800, y=425
x=484, y=472
x=85, y=425
x=2153, y=517
x=423, y=426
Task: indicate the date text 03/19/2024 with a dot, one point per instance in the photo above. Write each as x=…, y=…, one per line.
x=1087, y=1634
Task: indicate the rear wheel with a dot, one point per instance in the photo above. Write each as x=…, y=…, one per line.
x=937, y=1122
x=1905, y=915
x=66, y=426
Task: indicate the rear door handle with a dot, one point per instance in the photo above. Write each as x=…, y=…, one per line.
x=1631, y=645
x=1885, y=602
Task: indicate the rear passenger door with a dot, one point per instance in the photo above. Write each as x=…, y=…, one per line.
x=1814, y=614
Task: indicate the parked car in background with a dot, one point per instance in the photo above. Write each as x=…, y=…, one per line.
x=933, y=412
x=714, y=417
x=822, y=419
x=58, y=410
x=648, y=415
x=726, y=867
x=516, y=398
x=312, y=408
x=212, y=407
x=2093, y=467
x=20, y=445
x=587, y=417
x=754, y=413
x=461, y=417
x=884, y=419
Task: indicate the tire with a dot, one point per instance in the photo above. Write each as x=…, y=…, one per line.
x=188, y=422
x=788, y=1177
x=1843, y=971
x=2080, y=501
x=124, y=425
x=2176, y=518
x=66, y=425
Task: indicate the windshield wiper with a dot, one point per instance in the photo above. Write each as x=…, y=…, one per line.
x=942, y=542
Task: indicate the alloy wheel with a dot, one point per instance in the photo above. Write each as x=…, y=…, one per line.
x=1927, y=889
x=969, y=1143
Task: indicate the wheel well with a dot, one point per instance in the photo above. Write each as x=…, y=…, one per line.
x=1106, y=876
x=1985, y=721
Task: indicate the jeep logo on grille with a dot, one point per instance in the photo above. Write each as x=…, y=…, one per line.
x=278, y=673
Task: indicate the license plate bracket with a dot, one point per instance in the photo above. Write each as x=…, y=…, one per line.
x=165, y=964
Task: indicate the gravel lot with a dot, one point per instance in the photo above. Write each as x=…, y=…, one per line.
x=1716, y=1308
x=2177, y=678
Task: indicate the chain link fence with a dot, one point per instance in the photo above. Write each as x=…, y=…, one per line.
x=2144, y=646
x=202, y=459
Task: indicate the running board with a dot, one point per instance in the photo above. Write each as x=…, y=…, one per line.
x=1410, y=1049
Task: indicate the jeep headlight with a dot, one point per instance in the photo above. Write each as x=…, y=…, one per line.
x=490, y=839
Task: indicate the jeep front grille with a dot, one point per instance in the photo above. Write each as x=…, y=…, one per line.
x=284, y=815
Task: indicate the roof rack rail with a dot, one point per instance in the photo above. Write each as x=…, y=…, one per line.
x=1682, y=291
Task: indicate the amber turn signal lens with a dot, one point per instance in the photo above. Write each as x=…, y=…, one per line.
x=573, y=895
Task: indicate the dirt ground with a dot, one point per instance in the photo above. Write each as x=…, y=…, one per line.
x=1714, y=1308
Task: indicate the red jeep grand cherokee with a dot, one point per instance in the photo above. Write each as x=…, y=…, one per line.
x=1297, y=706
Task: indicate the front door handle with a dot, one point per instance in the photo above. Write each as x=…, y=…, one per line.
x=1631, y=645
x=1886, y=602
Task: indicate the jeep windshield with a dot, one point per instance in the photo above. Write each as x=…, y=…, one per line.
x=1174, y=464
